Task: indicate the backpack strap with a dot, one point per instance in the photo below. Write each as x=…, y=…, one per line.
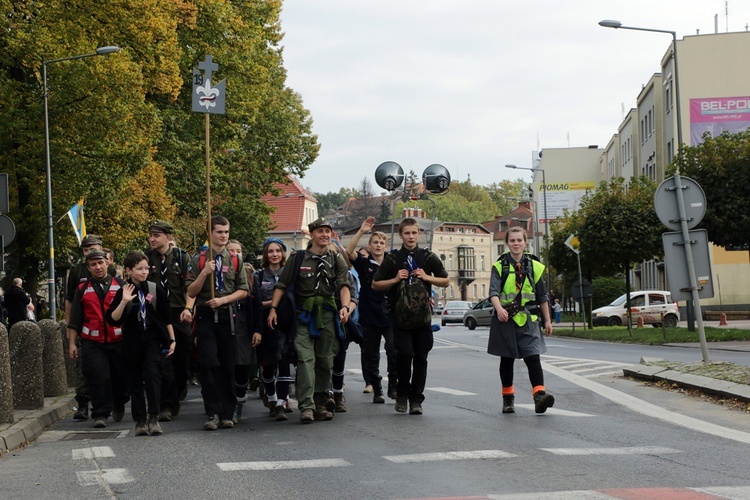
x=202, y=261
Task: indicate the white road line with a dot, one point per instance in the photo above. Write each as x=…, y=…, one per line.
x=611, y=368
x=648, y=409
x=731, y=492
x=454, y=392
x=282, y=465
x=449, y=455
x=93, y=452
x=626, y=450
x=557, y=411
x=104, y=477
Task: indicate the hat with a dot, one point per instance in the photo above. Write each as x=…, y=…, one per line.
x=161, y=227
x=91, y=239
x=96, y=255
x=319, y=223
x=268, y=241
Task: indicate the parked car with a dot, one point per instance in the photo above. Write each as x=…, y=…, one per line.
x=480, y=315
x=454, y=311
x=651, y=305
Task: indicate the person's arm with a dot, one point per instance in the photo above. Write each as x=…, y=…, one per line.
x=388, y=276
x=277, y=294
x=351, y=248
x=186, y=316
x=495, y=291
x=123, y=297
x=195, y=287
x=543, y=298
x=74, y=324
x=256, y=309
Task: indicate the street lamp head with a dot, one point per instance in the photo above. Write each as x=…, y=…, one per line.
x=610, y=23
x=109, y=49
x=510, y=166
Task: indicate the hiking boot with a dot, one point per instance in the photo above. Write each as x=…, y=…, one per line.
x=118, y=414
x=141, y=429
x=508, y=406
x=330, y=403
x=154, y=429
x=272, y=407
x=100, y=422
x=279, y=414
x=165, y=415
x=340, y=400
x=212, y=423
x=392, y=394
x=416, y=409
x=401, y=404
x=322, y=412
x=368, y=389
x=81, y=414
x=226, y=424
x=306, y=416
x=542, y=401
x=237, y=415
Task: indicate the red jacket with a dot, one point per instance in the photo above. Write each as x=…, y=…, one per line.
x=94, y=326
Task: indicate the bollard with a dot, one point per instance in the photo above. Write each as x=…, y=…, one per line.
x=25, y=347
x=640, y=322
x=723, y=319
x=53, y=359
x=70, y=365
x=6, y=386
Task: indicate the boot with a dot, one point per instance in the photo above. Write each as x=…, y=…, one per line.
x=237, y=415
x=508, y=401
x=154, y=429
x=338, y=398
x=321, y=412
x=377, y=394
x=279, y=413
x=542, y=401
x=306, y=416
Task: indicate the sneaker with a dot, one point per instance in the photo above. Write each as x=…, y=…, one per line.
x=279, y=413
x=194, y=380
x=368, y=389
x=100, y=422
x=165, y=416
x=287, y=407
x=401, y=404
x=118, y=414
x=212, y=423
x=416, y=409
x=340, y=402
x=542, y=401
x=154, y=429
x=306, y=416
x=237, y=415
x=81, y=414
x=226, y=424
x=141, y=429
x=508, y=406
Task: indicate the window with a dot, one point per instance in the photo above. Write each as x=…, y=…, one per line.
x=450, y=290
x=484, y=289
x=481, y=261
x=475, y=290
x=450, y=263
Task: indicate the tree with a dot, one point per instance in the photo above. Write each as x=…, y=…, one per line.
x=721, y=165
x=506, y=194
x=332, y=200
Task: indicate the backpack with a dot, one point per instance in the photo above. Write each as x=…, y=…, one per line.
x=411, y=304
x=202, y=261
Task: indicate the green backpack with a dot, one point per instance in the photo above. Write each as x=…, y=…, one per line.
x=411, y=305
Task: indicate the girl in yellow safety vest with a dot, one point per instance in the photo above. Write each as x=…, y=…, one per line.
x=516, y=286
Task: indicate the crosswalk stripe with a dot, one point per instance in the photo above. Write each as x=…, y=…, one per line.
x=454, y=392
x=93, y=452
x=104, y=476
x=449, y=455
x=556, y=411
x=282, y=465
x=625, y=450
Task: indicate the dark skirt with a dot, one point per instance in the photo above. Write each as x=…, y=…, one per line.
x=509, y=340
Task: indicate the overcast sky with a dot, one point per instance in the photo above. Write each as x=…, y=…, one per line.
x=473, y=84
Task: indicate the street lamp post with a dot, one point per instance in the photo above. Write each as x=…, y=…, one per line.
x=50, y=221
x=534, y=217
x=695, y=306
x=546, y=219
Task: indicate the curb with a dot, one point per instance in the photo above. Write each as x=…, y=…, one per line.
x=34, y=422
x=708, y=385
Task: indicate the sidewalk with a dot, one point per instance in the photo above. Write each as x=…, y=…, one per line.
x=29, y=424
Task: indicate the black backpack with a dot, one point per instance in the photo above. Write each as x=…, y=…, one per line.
x=410, y=305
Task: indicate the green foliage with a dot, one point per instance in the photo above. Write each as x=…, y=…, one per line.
x=721, y=165
x=606, y=289
x=653, y=336
x=332, y=200
x=506, y=194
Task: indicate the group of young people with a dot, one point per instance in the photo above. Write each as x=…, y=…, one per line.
x=132, y=338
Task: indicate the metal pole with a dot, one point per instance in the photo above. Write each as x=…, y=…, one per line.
x=50, y=225
x=546, y=227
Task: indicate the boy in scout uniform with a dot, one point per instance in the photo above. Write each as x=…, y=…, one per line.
x=168, y=267
x=322, y=272
x=214, y=321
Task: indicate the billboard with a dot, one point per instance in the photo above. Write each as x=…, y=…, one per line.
x=716, y=115
x=561, y=196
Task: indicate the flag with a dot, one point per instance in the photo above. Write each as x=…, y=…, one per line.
x=76, y=217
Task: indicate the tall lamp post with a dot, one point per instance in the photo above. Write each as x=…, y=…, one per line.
x=546, y=219
x=50, y=221
x=693, y=308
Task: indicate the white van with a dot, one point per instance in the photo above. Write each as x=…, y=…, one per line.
x=651, y=305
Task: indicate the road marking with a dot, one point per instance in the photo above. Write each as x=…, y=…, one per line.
x=93, y=452
x=729, y=492
x=454, y=392
x=104, y=477
x=557, y=411
x=648, y=409
x=283, y=465
x=449, y=455
x=626, y=450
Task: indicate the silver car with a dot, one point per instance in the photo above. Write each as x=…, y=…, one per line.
x=454, y=311
x=480, y=315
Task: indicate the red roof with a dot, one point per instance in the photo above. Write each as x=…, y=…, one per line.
x=290, y=206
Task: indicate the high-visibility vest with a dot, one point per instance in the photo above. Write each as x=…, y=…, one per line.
x=528, y=290
x=95, y=326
